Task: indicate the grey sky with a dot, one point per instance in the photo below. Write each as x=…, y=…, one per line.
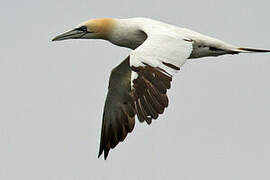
x=52, y=95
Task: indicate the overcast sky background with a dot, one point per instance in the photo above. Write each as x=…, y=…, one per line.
x=217, y=126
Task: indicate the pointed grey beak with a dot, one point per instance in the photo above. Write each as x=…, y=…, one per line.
x=73, y=34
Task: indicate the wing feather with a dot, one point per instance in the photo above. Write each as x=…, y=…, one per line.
x=153, y=65
x=118, y=116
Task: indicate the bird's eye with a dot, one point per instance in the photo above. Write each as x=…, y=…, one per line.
x=82, y=28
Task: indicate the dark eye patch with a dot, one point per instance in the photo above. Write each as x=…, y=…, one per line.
x=82, y=28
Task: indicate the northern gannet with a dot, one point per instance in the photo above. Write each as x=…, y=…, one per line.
x=139, y=84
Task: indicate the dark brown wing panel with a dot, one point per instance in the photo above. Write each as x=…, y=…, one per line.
x=147, y=100
x=118, y=116
x=149, y=93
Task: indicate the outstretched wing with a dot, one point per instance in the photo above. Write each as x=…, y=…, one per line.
x=139, y=85
x=118, y=116
x=153, y=65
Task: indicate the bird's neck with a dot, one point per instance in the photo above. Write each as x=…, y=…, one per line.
x=127, y=33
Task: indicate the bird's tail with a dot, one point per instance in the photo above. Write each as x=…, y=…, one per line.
x=251, y=50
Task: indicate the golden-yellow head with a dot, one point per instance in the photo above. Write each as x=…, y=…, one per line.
x=91, y=29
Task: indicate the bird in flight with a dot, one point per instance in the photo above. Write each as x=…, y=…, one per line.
x=138, y=85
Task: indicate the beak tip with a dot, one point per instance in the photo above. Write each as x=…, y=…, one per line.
x=54, y=39
x=73, y=34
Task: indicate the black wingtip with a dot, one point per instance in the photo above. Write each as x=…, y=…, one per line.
x=103, y=150
x=106, y=153
x=99, y=154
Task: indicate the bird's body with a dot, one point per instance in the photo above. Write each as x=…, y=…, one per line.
x=132, y=32
x=139, y=84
